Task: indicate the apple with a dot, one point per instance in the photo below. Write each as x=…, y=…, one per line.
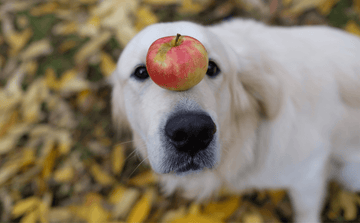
x=177, y=63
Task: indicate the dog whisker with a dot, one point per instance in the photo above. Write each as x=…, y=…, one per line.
x=138, y=166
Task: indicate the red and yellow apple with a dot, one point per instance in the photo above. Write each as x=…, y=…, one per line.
x=177, y=62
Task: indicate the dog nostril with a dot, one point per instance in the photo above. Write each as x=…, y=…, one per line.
x=204, y=135
x=180, y=136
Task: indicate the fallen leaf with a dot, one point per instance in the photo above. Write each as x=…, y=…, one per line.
x=326, y=6
x=276, y=195
x=286, y=3
x=161, y=2
x=59, y=214
x=356, y=5
x=252, y=218
x=118, y=159
x=107, y=65
x=44, y=9
x=124, y=34
x=25, y=205
x=65, y=28
x=64, y=140
x=142, y=208
x=195, y=216
x=101, y=176
x=125, y=204
x=222, y=210
x=91, y=47
x=116, y=194
x=145, y=178
x=18, y=40
x=65, y=174
x=91, y=28
x=67, y=45
x=30, y=217
x=352, y=27
x=8, y=171
x=36, y=49
x=174, y=214
x=49, y=163
x=190, y=7
x=145, y=17
x=299, y=6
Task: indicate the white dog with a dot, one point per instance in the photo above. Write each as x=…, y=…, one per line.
x=284, y=104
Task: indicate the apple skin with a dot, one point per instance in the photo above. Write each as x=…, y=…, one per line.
x=177, y=63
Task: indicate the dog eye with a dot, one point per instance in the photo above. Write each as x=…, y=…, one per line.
x=141, y=73
x=213, y=69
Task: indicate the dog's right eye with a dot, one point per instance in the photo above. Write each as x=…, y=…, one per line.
x=141, y=73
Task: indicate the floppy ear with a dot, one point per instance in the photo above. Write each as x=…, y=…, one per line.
x=261, y=79
x=120, y=121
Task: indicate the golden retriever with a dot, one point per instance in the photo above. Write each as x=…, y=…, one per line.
x=284, y=104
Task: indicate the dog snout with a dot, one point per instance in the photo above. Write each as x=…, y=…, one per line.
x=190, y=132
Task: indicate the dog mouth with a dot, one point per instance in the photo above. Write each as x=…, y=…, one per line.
x=188, y=167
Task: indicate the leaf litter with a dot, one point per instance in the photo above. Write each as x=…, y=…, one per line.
x=60, y=158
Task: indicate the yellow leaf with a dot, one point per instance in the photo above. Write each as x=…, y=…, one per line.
x=222, y=210
x=30, y=218
x=44, y=9
x=326, y=6
x=7, y=144
x=118, y=158
x=277, y=195
x=175, y=214
x=161, y=2
x=22, y=21
x=348, y=204
x=107, y=65
x=7, y=121
x=145, y=17
x=28, y=157
x=116, y=194
x=59, y=214
x=142, y=208
x=124, y=34
x=195, y=216
x=91, y=47
x=65, y=28
x=44, y=207
x=352, y=27
x=286, y=3
x=301, y=6
x=18, y=40
x=51, y=80
x=97, y=214
x=145, y=178
x=31, y=67
x=91, y=28
x=23, y=206
x=125, y=203
x=67, y=45
x=64, y=141
x=356, y=5
x=253, y=218
x=8, y=171
x=100, y=176
x=71, y=82
x=64, y=174
x=49, y=163
x=190, y=7
x=38, y=48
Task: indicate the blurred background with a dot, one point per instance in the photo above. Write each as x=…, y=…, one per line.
x=60, y=159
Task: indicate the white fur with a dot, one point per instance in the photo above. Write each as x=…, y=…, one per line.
x=286, y=106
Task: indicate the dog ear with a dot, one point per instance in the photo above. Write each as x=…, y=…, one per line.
x=120, y=121
x=260, y=78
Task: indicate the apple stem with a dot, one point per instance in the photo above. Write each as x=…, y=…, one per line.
x=177, y=39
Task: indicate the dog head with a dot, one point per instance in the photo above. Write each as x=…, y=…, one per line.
x=184, y=132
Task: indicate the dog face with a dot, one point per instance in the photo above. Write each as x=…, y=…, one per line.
x=178, y=132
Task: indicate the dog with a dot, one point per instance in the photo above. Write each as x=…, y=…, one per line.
x=283, y=104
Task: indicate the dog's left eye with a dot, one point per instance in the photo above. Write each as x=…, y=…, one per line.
x=141, y=73
x=213, y=70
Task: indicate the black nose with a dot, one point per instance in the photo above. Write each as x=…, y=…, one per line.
x=190, y=132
